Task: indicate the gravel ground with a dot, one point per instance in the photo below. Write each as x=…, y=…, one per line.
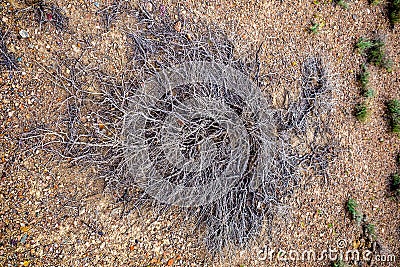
x=58, y=214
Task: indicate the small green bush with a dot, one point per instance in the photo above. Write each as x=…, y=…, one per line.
x=374, y=50
x=339, y=263
x=364, y=76
x=369, y=93
x=364, y=80
x=363, y=45
x=370, y=230
x=376, y=54
x=388, y=65
x=343, y=4
x=362, y=112
x=395, y=185
x=394, y=15
x=395, y=182
x=375, y=2
x=352, y=208
x=394, y=113
x=315, y=28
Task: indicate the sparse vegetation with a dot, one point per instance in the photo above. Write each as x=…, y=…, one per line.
x=364, y=77
x=369, y=93
x=364, y=80
x=375, y=2
x=375, y=53
x=394, y=113
x=388, y=65
x=395, y=184
x=352, y=208
x=363, y=44
x=339, y=263
x=343, y=4
x=362, y=113
x=396, y=180
x=394, y=15
x=370, y=230
x=395, y=187
x=315, y=28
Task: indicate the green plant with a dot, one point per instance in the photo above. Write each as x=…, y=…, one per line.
x=370, y=230
x=352, y=208
x=375, y=52
x=339, y=263
x=396, y=180
x=364, y=76
x=388, y=65
x=362, y=112
x=394, y=15
x=363, y=45
x=315, y=28
x=394, y=113
x=375, y=2
x=343, y=4
x=364, y=80
x=395, y=185
x=369, y=93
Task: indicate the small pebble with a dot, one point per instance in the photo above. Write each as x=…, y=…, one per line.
x=149, y=7
x=178, y=26
x=24, y=34
x=23, y=239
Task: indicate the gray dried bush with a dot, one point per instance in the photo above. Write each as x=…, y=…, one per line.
x=185, y=125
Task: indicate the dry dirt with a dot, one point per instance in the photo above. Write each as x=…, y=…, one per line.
x=55, y=214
